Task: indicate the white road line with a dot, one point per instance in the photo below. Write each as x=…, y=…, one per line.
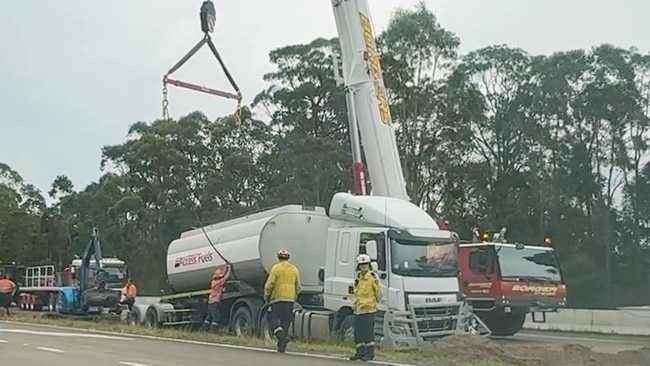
x=3, y=341
x=66, y=334
x=127, y=363
x=187, y=341
x=55, y=350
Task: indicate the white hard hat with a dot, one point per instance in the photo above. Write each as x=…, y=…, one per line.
x=363, y=259
x=284, y=254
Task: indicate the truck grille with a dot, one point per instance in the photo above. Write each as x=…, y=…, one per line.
x=436, y=319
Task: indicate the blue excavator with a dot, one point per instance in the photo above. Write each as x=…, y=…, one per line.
x=89, y=295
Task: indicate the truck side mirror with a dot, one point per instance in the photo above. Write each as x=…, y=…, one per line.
x=371, y=249
x=374, y=266
x=350, y=290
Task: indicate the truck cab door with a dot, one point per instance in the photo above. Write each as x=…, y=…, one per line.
x=478, y=272
x=340, y=266
x=373, y=243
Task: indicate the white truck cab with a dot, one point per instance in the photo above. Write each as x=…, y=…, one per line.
x=416, y=264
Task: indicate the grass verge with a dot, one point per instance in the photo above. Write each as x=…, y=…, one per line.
x=424, y=358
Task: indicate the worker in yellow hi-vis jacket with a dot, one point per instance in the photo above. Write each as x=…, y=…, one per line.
x=367, y=294
x=281, y=291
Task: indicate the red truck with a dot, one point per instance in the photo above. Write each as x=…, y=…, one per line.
x=505, y=281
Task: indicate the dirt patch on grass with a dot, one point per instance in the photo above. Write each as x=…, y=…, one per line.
x=468, y=348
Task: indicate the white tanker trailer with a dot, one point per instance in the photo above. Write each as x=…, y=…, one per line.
x=421, y=298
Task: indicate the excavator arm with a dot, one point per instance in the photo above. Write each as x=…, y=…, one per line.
x=93, y=250
x=95, y=295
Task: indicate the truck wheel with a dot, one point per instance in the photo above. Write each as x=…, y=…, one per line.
x=151, y=318
x=345, y=333
x=242, y=322
x=505, y=324
x=133, y=318
x=265, y=330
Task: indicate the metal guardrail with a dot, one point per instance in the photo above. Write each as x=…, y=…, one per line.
x=624, y=321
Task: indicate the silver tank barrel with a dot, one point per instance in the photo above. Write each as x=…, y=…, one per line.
x=191, y=259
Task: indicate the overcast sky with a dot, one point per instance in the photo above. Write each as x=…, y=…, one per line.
x=74, y=74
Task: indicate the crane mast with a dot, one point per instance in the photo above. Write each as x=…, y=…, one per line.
x=367, y=101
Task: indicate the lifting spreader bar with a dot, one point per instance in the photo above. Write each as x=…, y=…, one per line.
x=208, y=19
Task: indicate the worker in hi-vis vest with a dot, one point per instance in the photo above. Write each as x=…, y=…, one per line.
x=217, y=285
x=281, y=291
x=7, y=288
x=367, y=294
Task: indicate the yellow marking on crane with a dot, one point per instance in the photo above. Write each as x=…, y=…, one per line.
x=375, y=69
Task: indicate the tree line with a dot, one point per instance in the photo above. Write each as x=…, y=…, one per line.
x=545, y=145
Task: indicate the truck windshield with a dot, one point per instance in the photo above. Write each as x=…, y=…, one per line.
x=532, y=264
x=114, y=276
x=423, y=259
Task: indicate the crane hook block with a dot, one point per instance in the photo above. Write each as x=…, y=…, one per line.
x=208, y=17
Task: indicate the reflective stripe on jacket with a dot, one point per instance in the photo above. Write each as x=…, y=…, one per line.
x=283, y=283
x=367, y=293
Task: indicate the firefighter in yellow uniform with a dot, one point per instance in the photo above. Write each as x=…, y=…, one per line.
x=367, y=293
x=281, y=291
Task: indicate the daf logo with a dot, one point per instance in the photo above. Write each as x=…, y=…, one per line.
x=432, y=299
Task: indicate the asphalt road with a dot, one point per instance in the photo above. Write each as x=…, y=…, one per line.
x=604, y=343
x=36, y=345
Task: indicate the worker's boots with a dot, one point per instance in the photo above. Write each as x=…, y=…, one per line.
x=283, y=340
x=359, y=354
x=368, y=354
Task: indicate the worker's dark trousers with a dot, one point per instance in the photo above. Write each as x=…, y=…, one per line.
x=5, y=300
x=280, y=316
x=364, y=336
x=211, y=321
x=129, y=302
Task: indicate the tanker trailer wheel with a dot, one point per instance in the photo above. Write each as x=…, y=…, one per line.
x=151, y=318
x=345, y=333
x=242, y=322
x=134, y=316
x=265, y=330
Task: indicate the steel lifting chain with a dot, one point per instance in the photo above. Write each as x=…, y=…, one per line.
x=165, y=103
x=238, y=113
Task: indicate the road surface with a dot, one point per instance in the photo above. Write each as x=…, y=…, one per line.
x=27, y=344
x=605, y=343
x=33, y=344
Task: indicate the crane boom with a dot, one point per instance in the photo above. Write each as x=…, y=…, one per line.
x=367, y=100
